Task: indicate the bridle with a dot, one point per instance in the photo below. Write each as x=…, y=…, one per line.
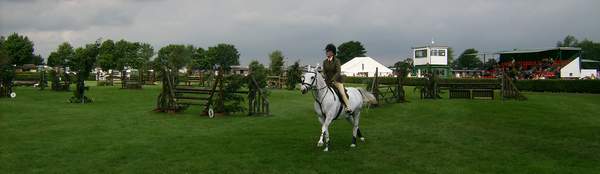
x=311, y=86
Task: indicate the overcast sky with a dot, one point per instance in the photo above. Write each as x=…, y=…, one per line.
x=301, y=29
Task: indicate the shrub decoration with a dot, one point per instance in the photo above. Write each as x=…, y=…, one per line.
x=7, y=75
x=294, y=75
x=232, y=102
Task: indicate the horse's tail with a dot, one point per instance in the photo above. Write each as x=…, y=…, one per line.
x=368, y=96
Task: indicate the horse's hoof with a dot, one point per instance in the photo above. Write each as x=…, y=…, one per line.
x=320, y=144
x=326, y=149
x=362, y=139
x=353, y=145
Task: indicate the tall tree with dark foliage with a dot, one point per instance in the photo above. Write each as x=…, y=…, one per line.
x=349, y=50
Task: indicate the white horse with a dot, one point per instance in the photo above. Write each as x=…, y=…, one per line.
x=329, y=107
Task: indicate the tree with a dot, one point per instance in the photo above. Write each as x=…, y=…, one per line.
x=590, y=49
x=145, y=53
x=349, y=50
x=294, y=75
x=468, y=59
x=132, y=59
x=569, y=41
x=106, y=58
x=490, y=64
x=257, y=82
x=83, y=62
x=170, y=59
x=259, y=72
x=139, y=54
x=4, y=57
x=37, y=60
x=126, y=54
x=174, y=56
x=276, y=66
x=450, y=55
x=7, y=72
x=19, y=48
x=403, y=68
x=200, y=61
x=60, y=59
x=224, y=55
x=193, y=51
x=119, y=53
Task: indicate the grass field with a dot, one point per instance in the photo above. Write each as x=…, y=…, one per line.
x=549, y=133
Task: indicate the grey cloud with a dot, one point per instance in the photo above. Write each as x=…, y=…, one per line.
x=300, y=29
x=64, y=15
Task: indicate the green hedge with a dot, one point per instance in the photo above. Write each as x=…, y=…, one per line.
x=27, y=76
x=578, y=86
x=414, y=81
x=552, y=85
x=35, y=76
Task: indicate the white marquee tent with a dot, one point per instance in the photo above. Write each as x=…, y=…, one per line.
x=364, y=66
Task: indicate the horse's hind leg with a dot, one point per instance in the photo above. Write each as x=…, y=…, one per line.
x=357, y=128
x=360, y=135
x=354, y=128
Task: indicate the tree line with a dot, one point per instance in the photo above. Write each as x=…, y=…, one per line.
x=589, y=48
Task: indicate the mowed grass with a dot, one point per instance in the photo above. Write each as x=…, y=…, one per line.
x=40, y=132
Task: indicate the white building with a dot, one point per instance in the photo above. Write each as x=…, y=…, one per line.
x=573, y=70
x=240, y=70
x=430, y=55
x=430, y=58
x=364, y=67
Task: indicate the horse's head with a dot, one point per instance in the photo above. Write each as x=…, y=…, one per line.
x=308, y=81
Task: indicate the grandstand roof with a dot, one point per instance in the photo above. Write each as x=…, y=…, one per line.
x=540, y=50
x=558, y=53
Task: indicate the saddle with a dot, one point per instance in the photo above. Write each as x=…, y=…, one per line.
x=341, y=101
x=339, y=95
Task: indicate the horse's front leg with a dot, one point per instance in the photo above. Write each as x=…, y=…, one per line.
x=324, y=139
x=322, y=121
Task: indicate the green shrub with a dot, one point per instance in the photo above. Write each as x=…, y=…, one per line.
x=294, y=75
x=577, y=86
x=233, y=102
x=103, y=83
x=27, y=76
x=259, y=72
x=7, y=74
x=551, y=85
x=35, y=76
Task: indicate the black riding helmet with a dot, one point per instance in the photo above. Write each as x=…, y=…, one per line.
x=330, y=47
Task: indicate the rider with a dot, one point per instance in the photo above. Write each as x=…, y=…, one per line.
x=332, y=72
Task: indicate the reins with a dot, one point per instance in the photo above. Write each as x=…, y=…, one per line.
x=314, y=91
